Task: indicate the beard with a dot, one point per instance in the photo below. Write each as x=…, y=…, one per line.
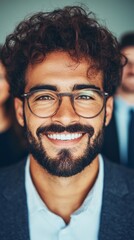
x=64, y=164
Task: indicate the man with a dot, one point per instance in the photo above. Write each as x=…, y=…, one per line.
x=63, y=68
x=118, y=139
x=11, y=133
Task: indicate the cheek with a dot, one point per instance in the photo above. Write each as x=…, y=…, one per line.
x=4, y=91
x=98, y=121
x=125, y=71
x=33, y=122
x=98, y=130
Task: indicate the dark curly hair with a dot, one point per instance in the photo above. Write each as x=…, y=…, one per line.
x=70, y=29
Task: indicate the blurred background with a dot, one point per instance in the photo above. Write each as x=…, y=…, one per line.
x=117, y=15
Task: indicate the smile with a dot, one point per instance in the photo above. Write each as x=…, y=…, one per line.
x=65, y=137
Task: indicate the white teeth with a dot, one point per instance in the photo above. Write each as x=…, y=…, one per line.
x=69, y=136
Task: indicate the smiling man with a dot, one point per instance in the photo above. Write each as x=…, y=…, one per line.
x=63, y=68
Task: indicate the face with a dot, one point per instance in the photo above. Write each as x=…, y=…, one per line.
x=65, y=143
x=4, y=87
x=128, y=70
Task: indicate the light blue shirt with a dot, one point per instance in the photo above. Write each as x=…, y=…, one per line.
x=122, y=117
x=84, y=223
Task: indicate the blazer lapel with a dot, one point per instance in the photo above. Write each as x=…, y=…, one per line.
x=113, y=225
x=16, y=214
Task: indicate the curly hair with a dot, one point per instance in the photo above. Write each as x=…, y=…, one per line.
x=71, y=30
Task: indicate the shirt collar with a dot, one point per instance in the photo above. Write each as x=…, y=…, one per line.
x=93, y=198
x=122, y=105
x=35, y=203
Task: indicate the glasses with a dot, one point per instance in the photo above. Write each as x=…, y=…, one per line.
x=87, y=103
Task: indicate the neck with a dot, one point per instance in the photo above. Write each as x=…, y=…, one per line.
x=63, y=195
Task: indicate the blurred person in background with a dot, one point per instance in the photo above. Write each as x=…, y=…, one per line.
x=119, y=134
x=12, y=140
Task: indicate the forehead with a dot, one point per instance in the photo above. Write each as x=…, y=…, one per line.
x=60, y=70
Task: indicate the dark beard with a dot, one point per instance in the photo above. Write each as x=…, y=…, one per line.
x=64, y=165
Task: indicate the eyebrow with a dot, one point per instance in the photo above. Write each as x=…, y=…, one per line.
x=85, y=86
x=54, y=88
x=48, y=87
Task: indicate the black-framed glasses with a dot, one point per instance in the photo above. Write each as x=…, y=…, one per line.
x=87, y=103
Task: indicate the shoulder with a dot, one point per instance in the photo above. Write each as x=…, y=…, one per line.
x=118, y=170
x=118, y=179
x=13, y=202
x=12, y=174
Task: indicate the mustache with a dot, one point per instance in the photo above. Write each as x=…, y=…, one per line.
x=71, y=129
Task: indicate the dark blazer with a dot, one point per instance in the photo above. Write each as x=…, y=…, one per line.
x=110, y=147
x=117, y=214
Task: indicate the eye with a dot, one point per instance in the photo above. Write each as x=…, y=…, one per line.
x=85, y=97
x=44, y=97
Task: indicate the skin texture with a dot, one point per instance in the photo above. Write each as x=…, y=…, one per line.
x=59, y=70
x=4, y=95
x=4, y=86
x=126, y=90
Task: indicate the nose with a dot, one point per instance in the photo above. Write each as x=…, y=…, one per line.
x=65, y=114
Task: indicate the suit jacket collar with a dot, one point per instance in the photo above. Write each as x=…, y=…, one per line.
x=16, y=205
x=113, y=225
x=113, y=205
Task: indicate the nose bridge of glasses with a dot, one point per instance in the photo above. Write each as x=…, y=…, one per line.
x=66, y=107
x=65, y=94
x=66, y=98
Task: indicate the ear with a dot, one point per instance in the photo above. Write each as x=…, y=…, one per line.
x=19, y=111
x=109, y=110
